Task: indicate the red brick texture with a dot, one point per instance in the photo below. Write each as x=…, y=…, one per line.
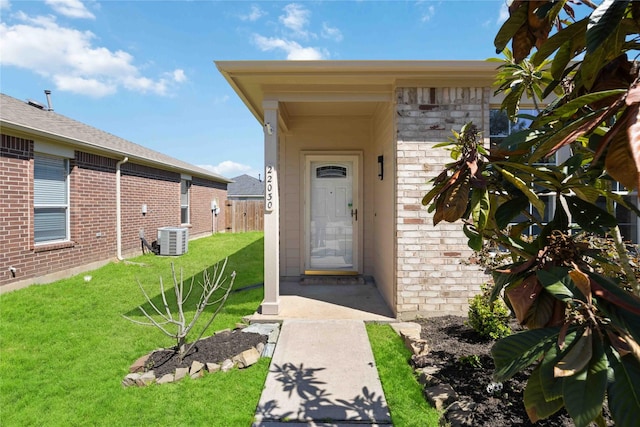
x=92, y=183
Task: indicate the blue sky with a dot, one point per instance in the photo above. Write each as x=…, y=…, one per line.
x=143, y=70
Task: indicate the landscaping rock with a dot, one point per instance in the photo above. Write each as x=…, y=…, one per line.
x=273, y=336
x=181, y=373
x=262, y=328
x=407, y=329
x=260, y=347
x=131, y=379
x=213, y=367
x=241, y=325
x=227, y=365
x=427, y=380
x=418, y=347
x=146, y=379
x=247, y=358
x=195, y=368
x=139, y=365
x=460, y=414
x=166, y=378
x=441, y=396
x=268, y=350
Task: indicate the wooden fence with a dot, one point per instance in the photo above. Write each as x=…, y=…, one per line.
x=244, y=215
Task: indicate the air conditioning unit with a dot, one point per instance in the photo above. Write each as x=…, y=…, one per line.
x=173, y=240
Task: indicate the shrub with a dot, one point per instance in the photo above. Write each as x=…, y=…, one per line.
x=490, y=320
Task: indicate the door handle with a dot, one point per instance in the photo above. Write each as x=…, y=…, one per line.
x=354, y=213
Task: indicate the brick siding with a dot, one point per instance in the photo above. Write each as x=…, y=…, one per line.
x=432, y=276
x=92, y=181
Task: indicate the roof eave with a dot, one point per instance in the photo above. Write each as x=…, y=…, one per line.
x=113, y=152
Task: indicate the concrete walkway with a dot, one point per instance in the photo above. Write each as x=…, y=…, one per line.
x=322, y=374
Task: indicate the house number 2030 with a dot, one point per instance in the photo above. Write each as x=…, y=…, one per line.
x=269, y=187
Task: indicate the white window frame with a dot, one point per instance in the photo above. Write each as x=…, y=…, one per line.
x=185, y=213
x=38, y=156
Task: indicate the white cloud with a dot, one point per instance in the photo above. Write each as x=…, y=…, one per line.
x=5, y=5
x=230, y=169
x=428, y=14
x=69, y=58
x=293, y=49
x=255, y=14
x=503, y=14
x=296, y=19
x=331, y=32
x=71, y=8
x=179, y=76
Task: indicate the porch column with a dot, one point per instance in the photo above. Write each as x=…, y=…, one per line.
x=271, y=303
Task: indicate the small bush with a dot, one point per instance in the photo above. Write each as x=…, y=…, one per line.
x=489, y=320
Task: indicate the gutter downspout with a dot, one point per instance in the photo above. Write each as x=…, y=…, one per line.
x=118, y=208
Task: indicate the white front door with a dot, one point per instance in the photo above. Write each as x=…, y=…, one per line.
x=332, y=215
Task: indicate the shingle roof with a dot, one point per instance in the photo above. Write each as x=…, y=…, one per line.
x=19, y=115
x=245, y=185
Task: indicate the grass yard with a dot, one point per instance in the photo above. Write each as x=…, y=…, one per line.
x=403, y=392
x=65, y=347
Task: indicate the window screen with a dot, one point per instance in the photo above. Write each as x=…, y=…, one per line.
x=50, y=198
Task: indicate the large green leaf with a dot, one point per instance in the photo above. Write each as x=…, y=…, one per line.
x=557, y=282
x=509, y=28
x=558, y=39
x=574, y=105
x=535, y=402
x=509, y=210
x=515, y=352
x=522, y=186
x=624, y=389
x=475, y=239
x=551, y=385
x=480, y=207
x=584, y=392
x=589, y=216
x=603, y=22
x=561, y=60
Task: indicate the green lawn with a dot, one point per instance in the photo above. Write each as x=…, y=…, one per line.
x=403, y=392
x=65, y=346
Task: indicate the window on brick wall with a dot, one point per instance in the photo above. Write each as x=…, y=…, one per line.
x=50, y=198
x=185, y=185
x=501, y=127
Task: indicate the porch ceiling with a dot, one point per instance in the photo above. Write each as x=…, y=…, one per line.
x=339, y=88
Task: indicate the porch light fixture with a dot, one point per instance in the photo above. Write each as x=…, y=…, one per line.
x=268, y=128
x=381, y=167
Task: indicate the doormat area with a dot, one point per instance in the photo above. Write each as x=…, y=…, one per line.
x=332, y=280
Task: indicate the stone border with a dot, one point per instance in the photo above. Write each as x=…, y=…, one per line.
x=441, y=396
x=139, y=378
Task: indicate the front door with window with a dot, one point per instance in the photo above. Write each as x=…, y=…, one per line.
x=332, y=215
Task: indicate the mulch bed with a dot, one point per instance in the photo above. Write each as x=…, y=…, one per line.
x=453, y=347
x=213, y=349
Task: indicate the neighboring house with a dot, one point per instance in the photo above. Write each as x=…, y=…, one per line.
x=245, y=204
x=74, y=197
x=245, y=187
x=348, y=156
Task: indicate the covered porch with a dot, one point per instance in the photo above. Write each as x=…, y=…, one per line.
x=329, y=149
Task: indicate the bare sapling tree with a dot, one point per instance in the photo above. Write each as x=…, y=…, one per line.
x=176, y=325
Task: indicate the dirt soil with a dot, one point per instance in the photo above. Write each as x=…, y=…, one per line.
x=453, y=347
x=214, y=349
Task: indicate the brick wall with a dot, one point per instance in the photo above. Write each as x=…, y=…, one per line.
x=432, y=278
x=92, y=183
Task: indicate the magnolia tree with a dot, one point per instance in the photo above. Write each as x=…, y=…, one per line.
x=583, y=327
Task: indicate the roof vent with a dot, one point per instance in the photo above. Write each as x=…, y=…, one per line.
x=35, y=103
x=47, y=93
